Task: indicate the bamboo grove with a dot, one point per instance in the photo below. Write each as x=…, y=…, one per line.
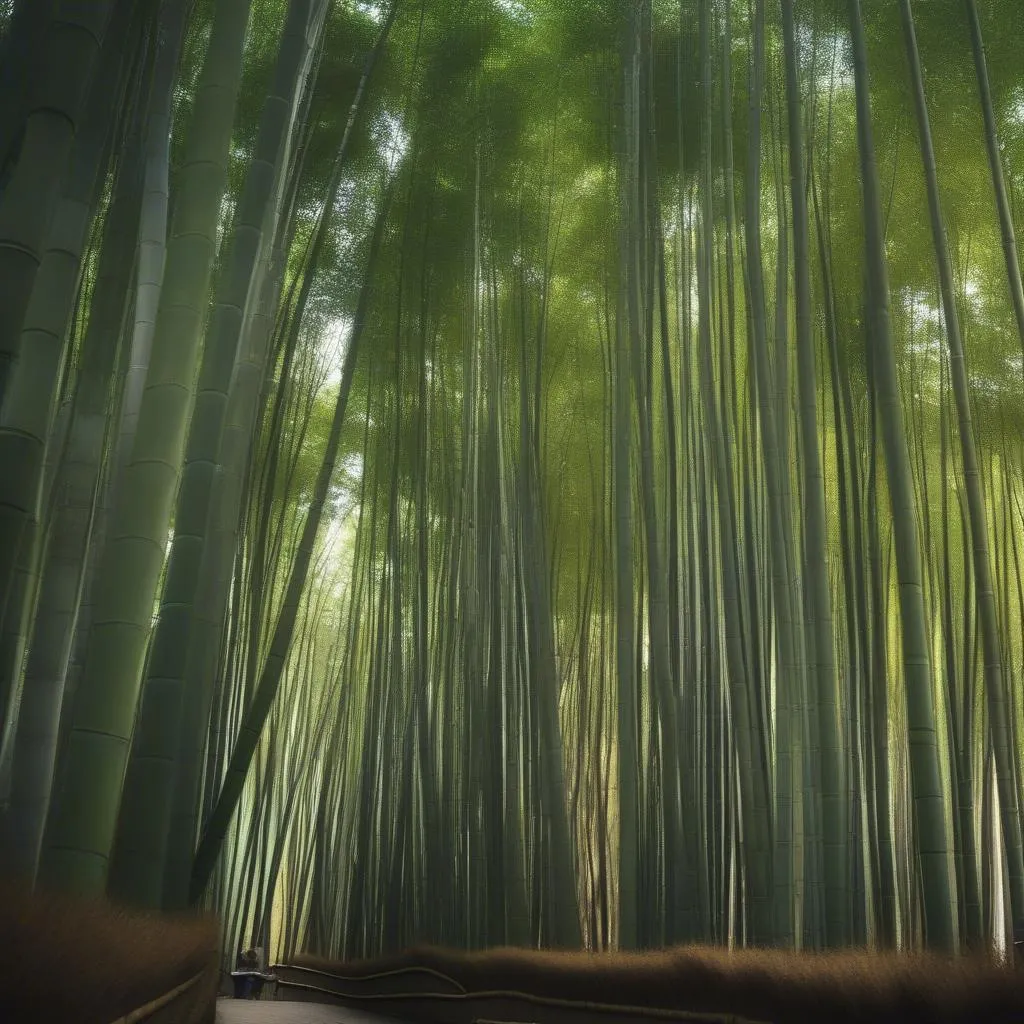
x=543, y=472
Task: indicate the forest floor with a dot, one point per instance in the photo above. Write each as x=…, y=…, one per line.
x=272, y=1011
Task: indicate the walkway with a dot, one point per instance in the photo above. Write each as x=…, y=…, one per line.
x=273, y=1011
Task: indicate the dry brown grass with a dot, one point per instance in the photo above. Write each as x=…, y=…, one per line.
x=89, y=962
x=764, y=985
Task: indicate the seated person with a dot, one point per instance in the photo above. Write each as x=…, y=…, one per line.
x=248, y=983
